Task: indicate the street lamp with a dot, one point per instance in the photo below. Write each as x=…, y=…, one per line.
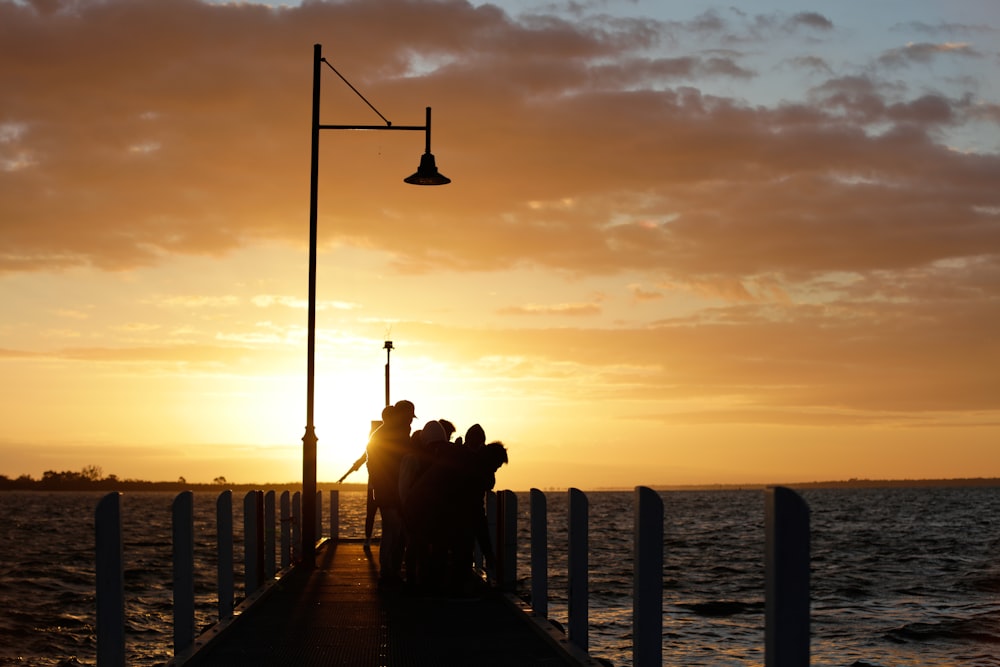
x=388, y=349
x=426, y=174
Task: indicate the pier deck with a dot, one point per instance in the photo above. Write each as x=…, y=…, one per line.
x=334, y=615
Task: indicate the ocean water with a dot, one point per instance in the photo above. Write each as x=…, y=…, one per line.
x=900, y=577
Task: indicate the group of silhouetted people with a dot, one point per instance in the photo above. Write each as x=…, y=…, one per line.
x=430, y=491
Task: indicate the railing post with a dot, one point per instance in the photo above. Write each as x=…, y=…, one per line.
x=253, y=546
x=334, y=514
x=110, y=582
x=539, y=553
x=286, y=530
x=577, y=603
x=319, y=516
x=647, y=580
x=492, y=570
x=224, y=546
x=297, y=527
x=183, y=556
x=786, y=608
x=269, y=569
x=508, y=556
x=500, y=541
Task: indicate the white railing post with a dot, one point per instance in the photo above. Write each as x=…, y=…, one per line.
x=297, y=527
x=491, y=524
x=224, y=547
x=647, y=580
x=508, y=557
x=577, y=602
x=286, y=530
x=319, y=515
x=253, y=552
x=334, y=514
x=539, y=553
x=183, y=557
x=786, y=607
x=110, y=582
x=269, y=569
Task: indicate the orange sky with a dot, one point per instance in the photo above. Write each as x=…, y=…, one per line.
x=682, y=245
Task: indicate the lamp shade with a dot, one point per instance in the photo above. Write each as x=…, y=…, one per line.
x=427, y=173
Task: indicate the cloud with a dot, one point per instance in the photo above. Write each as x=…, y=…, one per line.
x=653, y=173
x=811, y=63
x=942, y=28
x=567, y=309
x=813, y=20
x=925, y=52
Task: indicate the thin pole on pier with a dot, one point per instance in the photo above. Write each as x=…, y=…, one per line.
x=786, y=606
x=539, y=553
x=578, y=561
x=388, y=349
x=183, y=557
x=647, y=580
x=224, y=544
x=318, y=528
x=110, y=582
x=334, y=515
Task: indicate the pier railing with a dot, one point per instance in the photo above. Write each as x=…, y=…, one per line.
x=269, y=555
x=787, y=611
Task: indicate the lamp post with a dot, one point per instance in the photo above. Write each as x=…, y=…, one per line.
x=426, y=174
x=388, y=349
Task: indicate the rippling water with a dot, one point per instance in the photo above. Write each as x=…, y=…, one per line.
x=900, y=577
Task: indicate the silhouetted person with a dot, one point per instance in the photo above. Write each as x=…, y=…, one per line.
x=385, y=451
x=475, y=437
x=425, y=447
x=444, y=512
x=449, y=428
x=371, y=507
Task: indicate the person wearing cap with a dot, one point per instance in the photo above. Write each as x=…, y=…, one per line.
x=385, y=451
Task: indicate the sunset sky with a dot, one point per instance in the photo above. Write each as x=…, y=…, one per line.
x=684, y=243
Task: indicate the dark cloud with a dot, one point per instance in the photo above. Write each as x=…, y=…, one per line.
x=810, y=20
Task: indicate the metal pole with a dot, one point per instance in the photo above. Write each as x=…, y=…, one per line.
x=388, y=349
x=309, y=439
x=334, y=514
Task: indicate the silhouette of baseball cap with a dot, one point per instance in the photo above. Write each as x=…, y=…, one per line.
x=407, y=409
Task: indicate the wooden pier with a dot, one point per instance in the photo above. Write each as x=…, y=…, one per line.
x=334, y=614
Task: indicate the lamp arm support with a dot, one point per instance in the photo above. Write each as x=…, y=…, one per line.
x=426, y=129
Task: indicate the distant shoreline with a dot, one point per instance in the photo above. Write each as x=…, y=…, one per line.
x=139, y=485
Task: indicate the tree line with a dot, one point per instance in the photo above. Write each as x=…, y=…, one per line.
x=92, y=478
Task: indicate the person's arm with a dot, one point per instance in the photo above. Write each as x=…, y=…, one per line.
x=357, y=464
